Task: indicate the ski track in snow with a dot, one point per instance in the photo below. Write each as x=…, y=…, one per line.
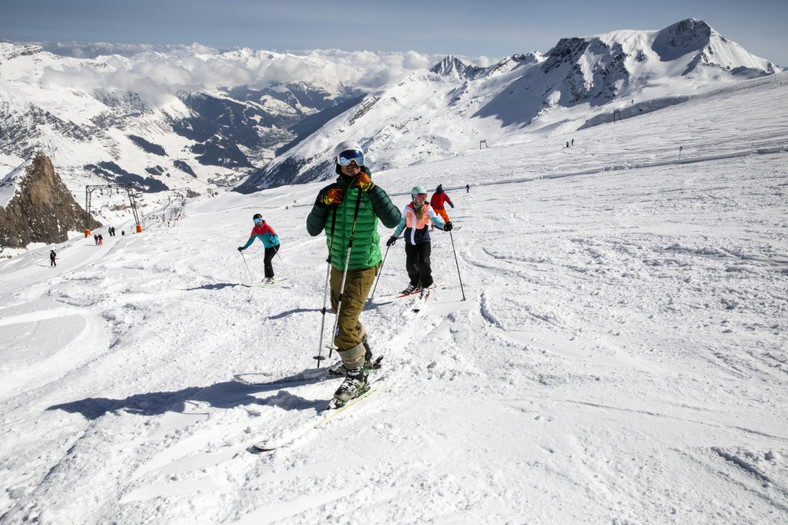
x=620, y=356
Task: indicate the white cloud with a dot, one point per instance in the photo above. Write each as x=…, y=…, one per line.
x=159, y=74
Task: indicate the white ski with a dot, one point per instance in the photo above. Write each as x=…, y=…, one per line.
x=421, y=301
x=321, y=418
x=264, y=284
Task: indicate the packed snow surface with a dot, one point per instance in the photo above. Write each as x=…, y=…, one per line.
x=619, y=355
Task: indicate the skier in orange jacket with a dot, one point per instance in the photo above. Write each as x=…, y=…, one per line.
x=437, y=201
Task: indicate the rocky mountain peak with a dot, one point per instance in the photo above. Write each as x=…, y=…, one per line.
x=42, y=208
x=452, y=66
x=681, y=38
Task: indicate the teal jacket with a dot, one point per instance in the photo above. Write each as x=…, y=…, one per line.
x=337, y=221
x=265, y=233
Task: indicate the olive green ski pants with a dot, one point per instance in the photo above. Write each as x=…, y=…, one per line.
x=350, y=332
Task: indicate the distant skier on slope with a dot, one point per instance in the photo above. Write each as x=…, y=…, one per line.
x=52, y=256
x=416, y=215
x=438, y=200
x=350, y=208
x=270, y=240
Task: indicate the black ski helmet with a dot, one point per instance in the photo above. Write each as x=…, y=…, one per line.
x=257, y=216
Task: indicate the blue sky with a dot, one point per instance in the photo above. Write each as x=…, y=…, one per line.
x=473, y=28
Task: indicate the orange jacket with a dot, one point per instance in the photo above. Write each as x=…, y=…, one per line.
x=417, y=231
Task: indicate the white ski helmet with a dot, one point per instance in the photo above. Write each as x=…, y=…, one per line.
x=418, y=189
x=347, y=145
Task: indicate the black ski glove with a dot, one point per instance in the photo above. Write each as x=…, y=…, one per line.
x=447, y=227
x=240, y=248
x=391, y=241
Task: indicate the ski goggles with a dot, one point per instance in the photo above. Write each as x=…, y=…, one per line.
x=258, y=221
x=352, y=155
x=419, y=196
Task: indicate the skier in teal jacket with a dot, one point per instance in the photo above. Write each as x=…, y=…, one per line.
x=270, y=240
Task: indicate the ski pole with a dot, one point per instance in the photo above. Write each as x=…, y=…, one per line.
x=458, y=265
x=380, y=271
x=247, y=266
x=341, y=291
x=319, y=357
x=287, y=269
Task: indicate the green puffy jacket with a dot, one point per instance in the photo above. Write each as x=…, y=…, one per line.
x=339, y=220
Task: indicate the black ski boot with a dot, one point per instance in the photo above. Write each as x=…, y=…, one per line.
x=355, y=383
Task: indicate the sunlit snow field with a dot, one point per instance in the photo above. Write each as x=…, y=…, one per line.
x=620, y=355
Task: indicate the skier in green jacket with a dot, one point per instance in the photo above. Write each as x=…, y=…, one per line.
x=351, y=206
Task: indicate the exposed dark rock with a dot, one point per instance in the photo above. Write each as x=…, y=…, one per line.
x=117, y=175
x=184, y=167
x=452, y=66
x=42, y=210
x=148, y=146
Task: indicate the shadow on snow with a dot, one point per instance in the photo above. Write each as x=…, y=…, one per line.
x=224, y=395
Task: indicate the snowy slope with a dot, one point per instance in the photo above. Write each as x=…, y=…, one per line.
x=620, y=356
x=9, y=184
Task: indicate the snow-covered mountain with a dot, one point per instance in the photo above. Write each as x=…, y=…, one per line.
x=202, y=119
x=581, y=81
x=191, y=117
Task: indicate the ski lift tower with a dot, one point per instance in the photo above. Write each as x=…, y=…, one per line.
x=89, y=189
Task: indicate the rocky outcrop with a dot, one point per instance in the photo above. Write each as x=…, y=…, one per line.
x=42, y=209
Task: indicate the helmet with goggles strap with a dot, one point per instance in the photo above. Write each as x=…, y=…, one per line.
x=257, y=218
x=415, y=193
x=348, y=151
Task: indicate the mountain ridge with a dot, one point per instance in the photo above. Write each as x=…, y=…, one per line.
x=526, y=91
x=242, y=119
